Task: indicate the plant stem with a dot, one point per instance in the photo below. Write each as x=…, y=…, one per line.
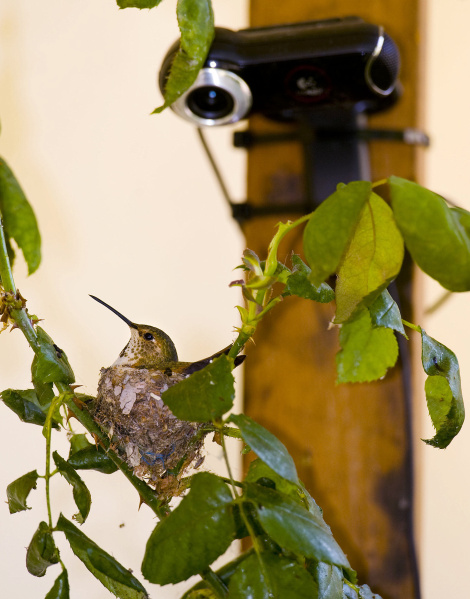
x=5, y=267
x=19, y=316
x=215, y=582
x=23, y=322
x=47, y=433
x=410, y=325
x=284, y=228
x=227, y=462
x=229, y=431
x=244, y=335
x=262, y=304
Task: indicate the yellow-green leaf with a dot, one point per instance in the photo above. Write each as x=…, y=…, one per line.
x=366, y=352
x=330, y=228
x=372, y=260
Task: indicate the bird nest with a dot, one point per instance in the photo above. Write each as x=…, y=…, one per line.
x=159, y=447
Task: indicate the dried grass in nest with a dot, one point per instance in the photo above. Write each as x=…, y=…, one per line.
x=147, y=435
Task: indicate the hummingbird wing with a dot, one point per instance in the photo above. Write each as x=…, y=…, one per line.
x=200, y=364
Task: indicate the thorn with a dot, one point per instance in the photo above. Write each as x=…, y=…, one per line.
x=13, y=327
x=96, y=439
x=70, y=415
x=20, y=298
x=73, y=387
x=78, y=402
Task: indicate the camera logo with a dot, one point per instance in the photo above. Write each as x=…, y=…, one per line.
x=307, y=84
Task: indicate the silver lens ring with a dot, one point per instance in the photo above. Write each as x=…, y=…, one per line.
x=235, y=89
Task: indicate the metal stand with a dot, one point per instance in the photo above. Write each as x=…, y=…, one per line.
x=335, y=148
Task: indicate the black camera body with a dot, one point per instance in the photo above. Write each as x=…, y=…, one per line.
x=321, y=68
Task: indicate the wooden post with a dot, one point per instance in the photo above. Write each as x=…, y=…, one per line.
x=351, y=443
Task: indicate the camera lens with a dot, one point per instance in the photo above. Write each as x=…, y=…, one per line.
x=217, y=97
x=210, y=102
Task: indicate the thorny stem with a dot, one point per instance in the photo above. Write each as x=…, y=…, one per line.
x=19, y=316
x=246, y=332
x=262, y=298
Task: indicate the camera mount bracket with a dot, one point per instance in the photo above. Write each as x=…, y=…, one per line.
x=330, y=154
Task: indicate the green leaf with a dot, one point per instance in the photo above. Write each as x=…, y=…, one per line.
x=331, y=227
x=204, y=593
x=44, y=393
x=105, y=568
x=18, y=218
x=384, y=312
x=313, y=507
x=436, y=236
x=92, y=458
x=50, y=364
x=18, y=491
x=371, y=261
x=252, y=262
x=225, y=574
x=207, y=394
x=367, y=353
x=270, y=575
x=196, y=23
x=26, y=406
x=81, y=494
x=60, y=589
x=443, y=391
x=41, y=552
x=199, y=530
x=298, y=283
x=78, y=442
x=293, y=527
x=329, y=580
x=355, y=592
x=138, y=3
x=259, y=472
x=266, y=446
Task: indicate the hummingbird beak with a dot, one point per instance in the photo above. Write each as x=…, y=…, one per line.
x=126, y=320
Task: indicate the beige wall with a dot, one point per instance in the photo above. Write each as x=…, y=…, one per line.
x=445, y=486
x=129, y=211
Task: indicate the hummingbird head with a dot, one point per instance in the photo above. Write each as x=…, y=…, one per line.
x=148, y=346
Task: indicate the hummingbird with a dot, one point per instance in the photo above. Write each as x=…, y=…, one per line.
x=157, y=445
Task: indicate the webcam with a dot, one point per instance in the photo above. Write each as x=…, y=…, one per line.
x=286, y=71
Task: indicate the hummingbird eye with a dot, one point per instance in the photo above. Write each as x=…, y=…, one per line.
x=148, y=336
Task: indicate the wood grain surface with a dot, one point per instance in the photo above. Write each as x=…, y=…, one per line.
x=351, y=443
